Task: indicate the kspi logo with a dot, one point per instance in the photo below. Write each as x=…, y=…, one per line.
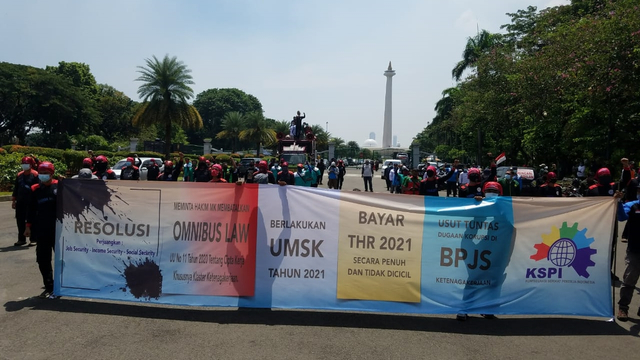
x=564, y=247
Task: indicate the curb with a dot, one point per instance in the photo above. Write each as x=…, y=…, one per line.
x=5, y=198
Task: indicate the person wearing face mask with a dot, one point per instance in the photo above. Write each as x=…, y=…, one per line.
x=429, y=186
x=101, y=168
x=473, y=189
x=285, y=176
x=129, y=170
x=153, y=170
x=492, y=189
x=550, y=188
x=171, y=172
x=302, y=177
x=19, y=198
x=202, y=173
x=216, y=174
x=510, y=186
x=41, y=222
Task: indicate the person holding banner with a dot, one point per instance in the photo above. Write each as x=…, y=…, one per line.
x=474, y=188
x=41, y=222
x=630, y=212
x=285, y=177
x=550, y=188
x=202, y=172
x=263, y=176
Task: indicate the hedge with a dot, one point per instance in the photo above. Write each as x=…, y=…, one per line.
x=10, y=166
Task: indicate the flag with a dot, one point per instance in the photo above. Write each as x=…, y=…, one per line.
x=501, y=158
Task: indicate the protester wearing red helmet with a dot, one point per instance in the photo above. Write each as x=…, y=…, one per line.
x=153, y=170
x=41, y=222
x=429, y=186
x=101, y=167
x=492, y=189
x=202, y=173
x=130, y=171
x=171, y=172
x=473, y=189
x=605, y=186
x=263, y=175
x=302, y=177
x=550, y=188
x=87, y=163
x=20, y=196
x=285, y=177
x=216, y=174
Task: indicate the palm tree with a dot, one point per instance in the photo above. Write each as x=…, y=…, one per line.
x=256, y=131
x=282, y=126
x=232, y=124
x=338, y=141
x=476, y=47
x=165, y=92
x=322, y=137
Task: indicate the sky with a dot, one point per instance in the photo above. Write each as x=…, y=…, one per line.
x=323, y=57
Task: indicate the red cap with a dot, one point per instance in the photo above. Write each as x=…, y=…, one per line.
x=603, y=172
x=46, y=167
x=285, y=164
x=28, y=160
x=492, y=185
x=552, y=175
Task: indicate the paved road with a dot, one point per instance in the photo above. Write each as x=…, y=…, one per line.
x=31, y=328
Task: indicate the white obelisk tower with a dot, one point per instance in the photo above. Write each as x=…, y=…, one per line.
x=387, y=130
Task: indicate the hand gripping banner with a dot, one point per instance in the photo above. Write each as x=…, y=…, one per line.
x=269, y=246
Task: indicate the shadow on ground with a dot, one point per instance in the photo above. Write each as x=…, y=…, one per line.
x=507, y=326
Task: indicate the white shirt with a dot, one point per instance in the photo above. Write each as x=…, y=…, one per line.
x=464, y=178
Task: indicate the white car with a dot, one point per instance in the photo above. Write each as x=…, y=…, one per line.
x=388, y=163
x=142, y=164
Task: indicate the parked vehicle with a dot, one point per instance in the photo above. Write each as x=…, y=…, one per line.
x=142, y=164
x=528, y=175
x=388, y=163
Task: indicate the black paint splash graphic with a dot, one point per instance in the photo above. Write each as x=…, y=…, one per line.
x=144, y=279
x=80, y=195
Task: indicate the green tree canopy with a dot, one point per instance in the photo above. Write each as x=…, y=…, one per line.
x=213, y=104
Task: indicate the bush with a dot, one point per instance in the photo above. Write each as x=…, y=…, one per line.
x=2, y=151
x=223, y=158
x=10, y=167
x=248, y=155
x=235, y=155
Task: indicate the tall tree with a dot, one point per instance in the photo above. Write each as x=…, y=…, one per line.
x=257, y=131
x=233, y=123
x=475, y=48
x=116, y=111
x=165, y=93
x=213, y=104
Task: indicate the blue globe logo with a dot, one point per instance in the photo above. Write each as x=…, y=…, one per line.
x=562, y=252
